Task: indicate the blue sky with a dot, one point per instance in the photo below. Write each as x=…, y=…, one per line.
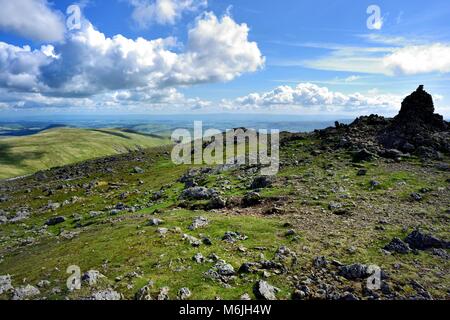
x=303, y=57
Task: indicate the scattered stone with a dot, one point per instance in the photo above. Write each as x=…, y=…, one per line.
x=232, y=237
x=43, y=284
x=320, y=262
x=199, y=222
x=374, y=184
x=184, y=294
x=5, y=284
x=106, y=295
x=261, y=182
x=416, y=196
x=92, y=277
x=55, y=220
x=217, y=202
x=193, y=241
x=207, y=241
x=198, y=193
x=354, y=272
x=440, y=253
x=363, y=155
x=251, y=199
x=163, y=294
x=361, y=172
x=421, y=241
x=245, y=297
x=162, y=231
x=397, y=245
x=145, y=292
x=199, y=258
x=334, y=206
x=265, y=291
x=155, y=222
x=138, y=170
x=25, y=293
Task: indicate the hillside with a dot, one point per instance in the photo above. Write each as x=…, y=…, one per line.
x=61, y=146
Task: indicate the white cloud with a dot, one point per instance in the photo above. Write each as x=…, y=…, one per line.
x=308, y=96
x=163, y=12
x=32, y=19
x=89, y=63
x=419, y=59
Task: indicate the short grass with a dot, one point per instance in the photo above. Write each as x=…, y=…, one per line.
x=57, y=147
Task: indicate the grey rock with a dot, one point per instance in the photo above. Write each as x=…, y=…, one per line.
x=261, y=182
x=193, y=241
x=265, y=291
x=199, y=222
x=138, y=170
x=106, y=295
x=251, y=199
x=416, y=196
x=25, y=292
x=145, y=292
x=354, y=272
x=155, y=222
x=55, y=220
x=232, y=237
x=421, y=241
x=43, y=284
x=91, y=277
x=397, y=245
x=5, y=284
x=199, y=258
x=163, y=294
x=184, y=294
x=198, y=193
x=245, y=297
x=320, y=262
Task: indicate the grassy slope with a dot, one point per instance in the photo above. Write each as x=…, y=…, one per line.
x=62, y=146
x=117, y=245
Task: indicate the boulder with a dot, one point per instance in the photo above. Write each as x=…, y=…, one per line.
x=55, y=220
x=25, y=292
x=421, y=241
x=265, y=291
x=398, y=246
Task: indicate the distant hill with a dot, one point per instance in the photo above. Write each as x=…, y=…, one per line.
x=61, y=146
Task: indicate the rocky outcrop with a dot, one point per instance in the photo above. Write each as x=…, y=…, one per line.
x=417, y=128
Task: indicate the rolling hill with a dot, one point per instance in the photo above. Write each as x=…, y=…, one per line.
x=61, y=146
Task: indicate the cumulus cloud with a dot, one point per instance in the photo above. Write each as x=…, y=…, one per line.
x=89, y=63
x=32, y=19
x=419, y=59
x=163, y=12
x=310, y=96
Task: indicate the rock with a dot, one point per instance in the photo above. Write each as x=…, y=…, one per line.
x=25, y=293
x=43, y=284
x=374, y=184
x=162, y=231
x=217, y=202
x=199, y=258
x=320, y=262
x=354, y=272
x=361, y=172
x=155, y=222
x=224, y=269
x=92, y=277
x=349, y=297
x=138, y=170
x=5, y=284
x=207, y=241
x=198, y=193
x=232, y=237
x=3, y=198
x=420, y=241
x=397, y=245
x=184, y=294
x=245, y=297
x=145, y=292
x=192, y=240
x=55, y=220
x=261, y=182
x=163, y=294
x=416, y=196
x=3, y=219
x=334, y=206
x=440, y=253
x=251, y=199
x=265, y=291
x=363, y=155
x=106, y=295
x=199, y=222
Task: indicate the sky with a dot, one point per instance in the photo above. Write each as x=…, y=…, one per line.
x=316, y=58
